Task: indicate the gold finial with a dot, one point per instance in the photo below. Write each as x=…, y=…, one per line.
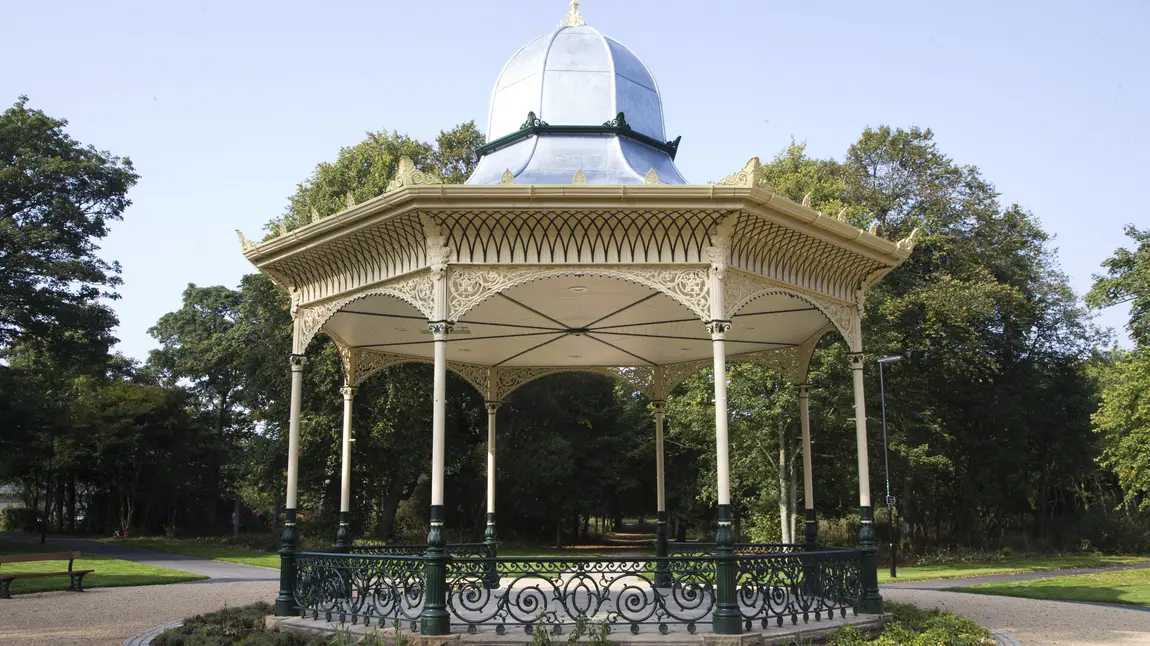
x=507, y=178
x=580, y=178
x=573, y=17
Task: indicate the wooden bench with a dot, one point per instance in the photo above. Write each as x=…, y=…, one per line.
x=77, y=576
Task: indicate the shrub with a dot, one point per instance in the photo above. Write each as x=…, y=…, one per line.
x=240, y=625
x=911, y=626
x=19, y=519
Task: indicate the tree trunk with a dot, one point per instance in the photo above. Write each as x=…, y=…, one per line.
x=236, y=518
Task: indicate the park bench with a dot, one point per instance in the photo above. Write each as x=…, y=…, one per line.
x=77, y=576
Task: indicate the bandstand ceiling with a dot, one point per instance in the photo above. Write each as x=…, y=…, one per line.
x=575, y=321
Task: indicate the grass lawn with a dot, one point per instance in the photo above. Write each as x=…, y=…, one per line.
x=1124, y=586
x=215, y=552
x=109, y=572
x=1002, y=566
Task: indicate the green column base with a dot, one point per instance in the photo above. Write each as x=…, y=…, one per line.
x=810, y=528
x=727, y=619
x=662, y=571
x=435, y=620
x=343, y=534
x=870, y=601
x=491, y=543
x=285, y=600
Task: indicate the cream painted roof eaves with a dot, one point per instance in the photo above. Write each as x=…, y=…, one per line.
x=481, y=197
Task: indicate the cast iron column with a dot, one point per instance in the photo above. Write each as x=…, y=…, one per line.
x=870, y=601
x=435, y=620
x=662, y=572
x=811, y=524
x=343, y=536
x=727, y=620
x=490, y=537
x=285, y=601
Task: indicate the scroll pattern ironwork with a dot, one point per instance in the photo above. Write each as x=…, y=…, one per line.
x=554, y=593
x=367, y=589
x=799, y=585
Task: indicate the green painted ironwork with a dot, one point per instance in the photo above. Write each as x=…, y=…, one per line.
x=617, y=126
x=435, y=620
x=343, y=534
x=870, y=601
x=662, y=575
x=491, y=543
x=285, y=600
x=361, y=588
x=726, y=619
x=810, y=528
x=556, y=593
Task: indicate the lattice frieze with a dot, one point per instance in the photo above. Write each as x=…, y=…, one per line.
x=676, y=373
x=790, y=256
x=585, y=236
x=359, y=257
x=370, y=362
x=415, y=289
x=470, y=285
x=741, y=288
x=508, y=380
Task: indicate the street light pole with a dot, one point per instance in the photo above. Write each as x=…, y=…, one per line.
x=886, y=462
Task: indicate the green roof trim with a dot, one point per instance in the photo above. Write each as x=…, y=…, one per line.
x=617, y=126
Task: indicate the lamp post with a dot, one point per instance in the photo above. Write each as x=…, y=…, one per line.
x=886, y=460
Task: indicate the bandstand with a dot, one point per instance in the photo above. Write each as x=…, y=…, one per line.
x=576, y=245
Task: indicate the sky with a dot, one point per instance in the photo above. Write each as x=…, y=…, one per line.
x=224, y=107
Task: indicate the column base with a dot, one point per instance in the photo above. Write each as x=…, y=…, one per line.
x=870, y=600
x=810, y=528
x=343, y=534
x=285, y=601
x=727, y=620
x=491, y=543
x=435, y=620
x=662, y=571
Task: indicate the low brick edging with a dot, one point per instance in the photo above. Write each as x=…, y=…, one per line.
x=813, y=633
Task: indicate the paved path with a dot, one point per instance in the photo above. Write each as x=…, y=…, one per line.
x=946, y=584
x=108, y=616
x=219, y=571
x=1034, y=622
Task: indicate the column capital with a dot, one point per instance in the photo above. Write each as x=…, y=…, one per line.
x=718, y=328
x=297, y=361
x=659, y=404
x=857, y=359
x=804, y=389
x=347, y=391
x=440, y=329
x=492, y=406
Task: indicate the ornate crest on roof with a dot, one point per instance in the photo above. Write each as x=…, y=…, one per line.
x=407, y=175
x=749, y=176
x=573, y=17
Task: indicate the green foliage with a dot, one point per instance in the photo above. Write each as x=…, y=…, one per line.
x=237, y=625
x=1124, y=421
x=19, y=519
x=911, y=626
x=57, y=198
x=1127, y=280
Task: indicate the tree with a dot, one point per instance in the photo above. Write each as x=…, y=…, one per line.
x=57, y=197
x=1124, y=416
x=1127, y=280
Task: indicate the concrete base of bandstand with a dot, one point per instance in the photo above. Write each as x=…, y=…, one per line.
x=788, y=633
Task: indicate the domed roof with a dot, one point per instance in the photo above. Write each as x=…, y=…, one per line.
x=556, y=110
x=575, y=76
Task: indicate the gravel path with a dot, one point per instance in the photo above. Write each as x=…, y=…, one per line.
x=219, y=571
x=108, y=616
x=1049, y=623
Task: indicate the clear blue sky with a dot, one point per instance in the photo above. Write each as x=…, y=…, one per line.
x=225, y=106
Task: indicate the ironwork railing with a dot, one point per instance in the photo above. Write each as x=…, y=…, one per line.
x=556, y=592
x=799, y=585
x=465, y=550
x=773, y=583
x=355, y=588
x=699, y=548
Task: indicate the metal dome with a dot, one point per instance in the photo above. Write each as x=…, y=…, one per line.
x=575, y=83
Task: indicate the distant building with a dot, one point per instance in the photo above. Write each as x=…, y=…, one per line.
x=10, y=497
